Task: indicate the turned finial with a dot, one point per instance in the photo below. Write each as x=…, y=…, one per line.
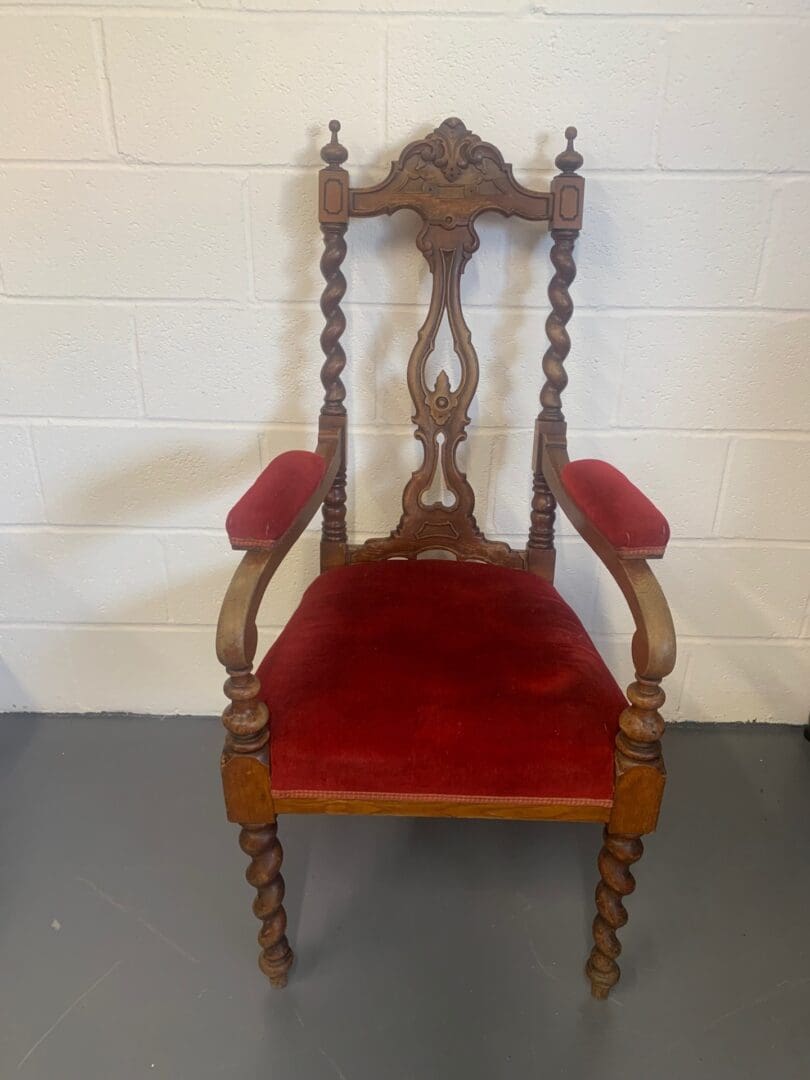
x=570, y=159
x=333, y=153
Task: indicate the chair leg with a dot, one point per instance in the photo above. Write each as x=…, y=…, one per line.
x=264, y=874
x=615, y=859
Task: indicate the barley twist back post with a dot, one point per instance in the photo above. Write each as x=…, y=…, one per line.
x=333, y=214
x=567, y=193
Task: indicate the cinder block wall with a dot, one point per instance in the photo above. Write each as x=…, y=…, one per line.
x=159, y=319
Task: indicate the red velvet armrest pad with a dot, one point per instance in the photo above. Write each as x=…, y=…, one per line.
x=269, y=507
x=622, y=513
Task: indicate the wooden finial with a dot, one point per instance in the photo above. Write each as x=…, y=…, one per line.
x=570, y=159
x=333, y=153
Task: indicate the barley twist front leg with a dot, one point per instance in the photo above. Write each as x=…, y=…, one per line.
x=615, y=859
x=264, y=874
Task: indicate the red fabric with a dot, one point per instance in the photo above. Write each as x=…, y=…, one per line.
x=457, y=680
x=268, y=508
x=625, y=515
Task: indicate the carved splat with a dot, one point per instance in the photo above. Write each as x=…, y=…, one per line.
x=441, y=416
x=448, y=178
x=441, y=400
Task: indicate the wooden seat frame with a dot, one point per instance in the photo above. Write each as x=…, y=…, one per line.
x=448, y=178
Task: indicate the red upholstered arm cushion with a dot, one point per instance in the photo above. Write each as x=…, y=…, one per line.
x=622, y=513
x=269, y=507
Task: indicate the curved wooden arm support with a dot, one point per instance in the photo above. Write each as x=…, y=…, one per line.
x=640, y=773
x=245, y=763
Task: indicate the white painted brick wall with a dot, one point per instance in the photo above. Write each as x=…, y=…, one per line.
x=159, y=320
x=143, y=476
x=50, y=86
x=122, y=232
x=245, y=84
x=50, y=353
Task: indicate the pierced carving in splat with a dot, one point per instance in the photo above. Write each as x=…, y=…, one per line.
x=441, y=400
x=448, y=178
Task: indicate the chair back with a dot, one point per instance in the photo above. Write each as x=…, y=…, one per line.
x=448, y=178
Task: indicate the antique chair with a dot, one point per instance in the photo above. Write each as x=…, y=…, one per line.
x=535, y=727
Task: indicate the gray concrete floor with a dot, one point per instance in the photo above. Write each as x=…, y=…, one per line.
x=427, y=949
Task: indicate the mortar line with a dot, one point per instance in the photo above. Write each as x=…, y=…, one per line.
x=386, y=76
x=133, y=163
x=721, y=491
x=771, y=212
x=136, y=347
x=205, y=628
x=514, y=538
x=307, y=428
x=616, y=414
x=107, y=106
x=37, y=470
x=670, y=28
x=336, y=14
x=247, y=225
x=603, y=310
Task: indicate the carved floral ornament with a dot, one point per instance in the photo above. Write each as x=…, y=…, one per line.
x=449, y=177
x=453, y=149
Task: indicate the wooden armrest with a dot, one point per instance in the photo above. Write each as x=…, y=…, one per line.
x=654, y=647
x=245, y=762
x=623, y=514
x=640, y=774
x=270, y=506
x=236, y=629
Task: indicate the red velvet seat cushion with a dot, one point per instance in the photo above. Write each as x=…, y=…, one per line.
x=463, y=681
x=269, y=507
x=622, y=513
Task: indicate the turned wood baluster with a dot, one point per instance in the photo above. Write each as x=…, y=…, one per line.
x=567, y=191
x=641, y=725
x=639, y=784
x=246, y=718
x=334, y=194
x=246, y=721
x=543, y=512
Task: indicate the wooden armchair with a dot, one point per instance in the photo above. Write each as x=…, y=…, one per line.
x=513, y=714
